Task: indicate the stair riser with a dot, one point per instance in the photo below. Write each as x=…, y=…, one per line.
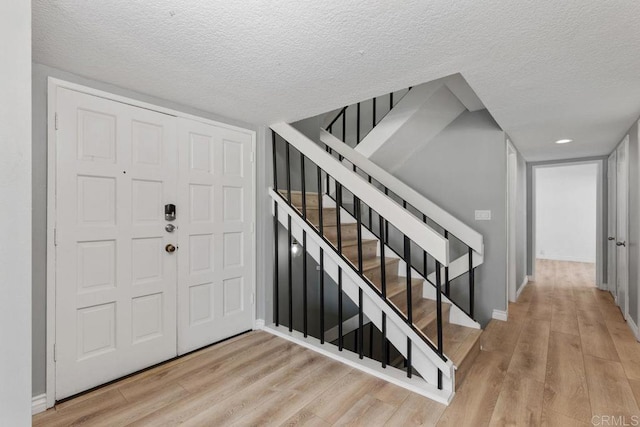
x=391, y=274
x=431, y=328
x=296, y=200
x=401, y=298
x=348, y=232
x=328, y=216
x=369, y=251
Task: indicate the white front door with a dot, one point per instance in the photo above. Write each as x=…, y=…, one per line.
x=622, y=223
x=611, y=226
x=115, y=283
x=215, y=283
x=124, y=299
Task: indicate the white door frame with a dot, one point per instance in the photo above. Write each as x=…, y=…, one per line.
x=626, y=145
x=512, y=194
x=612, y=217
x=53, y=85
x=599, y=213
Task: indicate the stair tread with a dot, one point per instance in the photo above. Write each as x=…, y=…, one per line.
x=352, y=242
x=398, y=286
x=458, y=341
x=373, y=263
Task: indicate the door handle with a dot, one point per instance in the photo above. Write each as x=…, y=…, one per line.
x=621, y=244
x=170, y=248
x=611, y=238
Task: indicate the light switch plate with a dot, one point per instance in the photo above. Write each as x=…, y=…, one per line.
x=483, y=215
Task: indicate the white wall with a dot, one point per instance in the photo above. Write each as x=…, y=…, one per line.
x=15, y=205
x=566, y=198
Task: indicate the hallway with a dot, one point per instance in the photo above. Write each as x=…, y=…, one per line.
x=564, y=357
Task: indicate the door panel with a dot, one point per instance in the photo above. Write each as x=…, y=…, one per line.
x=611, y=226
x=622, y=215
x=215, y=282
x=115, y=284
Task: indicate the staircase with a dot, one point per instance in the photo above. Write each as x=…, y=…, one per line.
x=381, y=300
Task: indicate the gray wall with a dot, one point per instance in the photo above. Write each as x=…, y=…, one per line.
x=463, y=169
x=40, y=74
x=521, y=222
x=633, y=241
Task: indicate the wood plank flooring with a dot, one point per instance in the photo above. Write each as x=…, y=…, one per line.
x=565, y=356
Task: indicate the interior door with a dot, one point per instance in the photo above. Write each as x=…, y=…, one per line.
x=622, y=224
x=115, y=283
x=215, y=284
x=611, y=226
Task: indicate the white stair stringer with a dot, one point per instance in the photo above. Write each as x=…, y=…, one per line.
x=424, y=360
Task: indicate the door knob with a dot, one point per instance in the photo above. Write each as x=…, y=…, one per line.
x=621, y=244
x=608, y=238
x=170, y=248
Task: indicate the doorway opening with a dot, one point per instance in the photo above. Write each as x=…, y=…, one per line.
x=567, y=217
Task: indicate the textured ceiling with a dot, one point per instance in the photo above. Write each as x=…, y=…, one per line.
x=545, y=69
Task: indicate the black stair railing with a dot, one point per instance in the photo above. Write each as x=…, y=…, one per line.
x=339, y=125
x=357, y=265
x=427, y=266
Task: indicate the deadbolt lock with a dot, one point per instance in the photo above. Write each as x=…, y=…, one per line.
x=170, y=248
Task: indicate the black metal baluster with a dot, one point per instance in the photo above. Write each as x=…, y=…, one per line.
x=360, y=322
x=344, y=127
x=305, y=316
x=383, y=266
x=338, y=223
x=320, y=212
x=340, y=341
x=290, y=274
x=370, y=340
x=358, y=123
x=386, y=224
x=370, y=214
x=288, y=166
x=439, y=317
x=275, y=166
x=385, y=344
x=446, y=270
x=357, y=208
x=276, y=264
x=424, y=253
x=321, y=296
x=390, y=101
x=408, y=361
x=373, y=120
x=407, y=260
x=471, y=283
x=303, y=187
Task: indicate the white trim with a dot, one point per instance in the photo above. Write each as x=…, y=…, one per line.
x=525, y=282
x=633, y=327
x=455, y=226
x=38, y=404
x=259, y=324
x=499, y=315
x=52, y=86
x=421, y=234
x=511, y=196
x=369, y=366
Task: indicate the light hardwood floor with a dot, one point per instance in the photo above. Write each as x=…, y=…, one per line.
x=565, y=356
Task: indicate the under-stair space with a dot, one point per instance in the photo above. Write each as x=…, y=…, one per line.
x=360, y=277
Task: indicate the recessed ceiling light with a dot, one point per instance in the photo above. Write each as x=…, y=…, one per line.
x=563, y=141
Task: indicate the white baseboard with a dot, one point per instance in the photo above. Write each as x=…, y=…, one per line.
x=521, y=288
x=566, y=258
x=499, y=315
x=259, y=324
x=633, y=327
x=38, y=404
